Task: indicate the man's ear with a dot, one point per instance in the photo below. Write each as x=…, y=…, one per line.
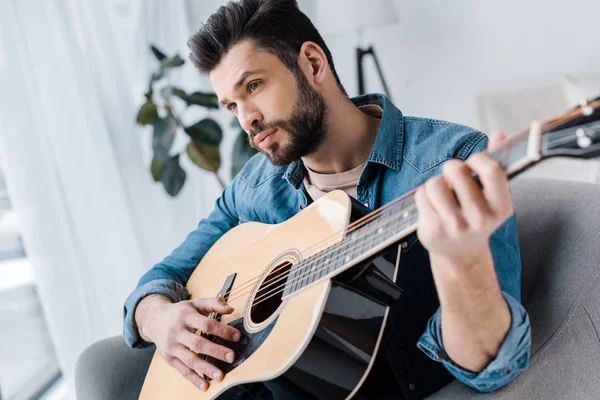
x=313, y=62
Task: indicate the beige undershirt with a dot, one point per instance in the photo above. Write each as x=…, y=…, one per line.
x=318, y=185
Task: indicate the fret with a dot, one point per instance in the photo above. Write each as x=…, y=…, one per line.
x=323, y=267
x=308, y=270
x=381, y=231
x=322, y=271
x=354, y=245
x=502, y=156
x=348, y=249
x=394, y=224
x=301, y=274
x=518, y=153
x=512, y=152
x=339, y=260
x=365, y=245
x=333, y=260
x=309, y=276
x=323, y=263
x=374, y=239
x=293, y=278
x=347, y=254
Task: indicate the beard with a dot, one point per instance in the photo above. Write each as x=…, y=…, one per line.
x=306, y=127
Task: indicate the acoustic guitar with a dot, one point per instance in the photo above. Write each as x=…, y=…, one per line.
x=303, y=290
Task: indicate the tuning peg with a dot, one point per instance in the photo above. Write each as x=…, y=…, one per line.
x=583, y=138
x=586, y=109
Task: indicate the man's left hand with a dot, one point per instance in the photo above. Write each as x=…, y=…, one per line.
x=457, y=216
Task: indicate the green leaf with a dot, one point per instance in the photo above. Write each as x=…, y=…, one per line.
x=178, y=92
x=242, y=152
x=173, y=176
x=156, y=169
x=163, y=137
x=173, y=62
x=157, y=53
x=208, y=100
x=148, y=114
x=207, y=131
x=206, y=156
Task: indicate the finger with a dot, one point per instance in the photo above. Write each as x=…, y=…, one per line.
x=496, y=189
x=212, y=327
x=496, y=139
x=194, y=362
x=200, y=345
x=443, y=200
x=427, y=214
x=469, y=193
x=215, y=304
x=188, y=373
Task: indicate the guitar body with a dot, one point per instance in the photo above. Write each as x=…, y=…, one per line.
x=311, y=297
x=318, y=343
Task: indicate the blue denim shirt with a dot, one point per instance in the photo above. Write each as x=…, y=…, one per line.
x=407, y=152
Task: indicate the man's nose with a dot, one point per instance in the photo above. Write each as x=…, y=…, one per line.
x=249, y=118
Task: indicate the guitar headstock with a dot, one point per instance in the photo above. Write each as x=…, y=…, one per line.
x=574, y=134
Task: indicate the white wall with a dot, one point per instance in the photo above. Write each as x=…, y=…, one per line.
x=442, y=54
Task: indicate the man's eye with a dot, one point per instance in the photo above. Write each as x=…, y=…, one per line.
x=253, y=85
x=231, y=107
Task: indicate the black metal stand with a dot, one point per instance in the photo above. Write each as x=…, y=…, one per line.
x=360, y=53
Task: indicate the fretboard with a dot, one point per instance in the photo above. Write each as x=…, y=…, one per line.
x=380, y=229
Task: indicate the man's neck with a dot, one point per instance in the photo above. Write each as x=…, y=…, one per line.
x=349, y=139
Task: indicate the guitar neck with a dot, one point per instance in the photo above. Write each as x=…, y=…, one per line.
x=399, y=218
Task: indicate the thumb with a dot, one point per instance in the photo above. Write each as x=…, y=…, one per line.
x=496, y=140
x=213, y=304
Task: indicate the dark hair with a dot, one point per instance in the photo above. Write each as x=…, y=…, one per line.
x=276, y=26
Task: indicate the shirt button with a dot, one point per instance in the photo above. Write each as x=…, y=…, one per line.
x=404, y=245
x=412, y=386
x=301, y=206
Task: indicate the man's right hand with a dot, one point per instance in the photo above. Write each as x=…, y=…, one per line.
x=171, y=327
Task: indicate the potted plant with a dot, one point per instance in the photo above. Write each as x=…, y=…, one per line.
x=205, y=136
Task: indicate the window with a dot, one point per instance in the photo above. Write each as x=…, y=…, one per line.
x=28, y=364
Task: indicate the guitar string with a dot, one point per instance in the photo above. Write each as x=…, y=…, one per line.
x=259, y=299
x=567, y=137
x=333, y=238
x=312, y=272
x=366, y=219
x=315, y=257
x=569, y=131
x=309, y=271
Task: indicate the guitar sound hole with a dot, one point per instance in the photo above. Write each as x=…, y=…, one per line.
x=268, y=298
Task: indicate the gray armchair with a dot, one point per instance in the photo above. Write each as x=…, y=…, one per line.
x=559, y=231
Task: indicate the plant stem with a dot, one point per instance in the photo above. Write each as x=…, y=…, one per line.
x=198, y=148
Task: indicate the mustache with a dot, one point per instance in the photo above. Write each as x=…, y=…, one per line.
x=261, y=127
x=258, y=128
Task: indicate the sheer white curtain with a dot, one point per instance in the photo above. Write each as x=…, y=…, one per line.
x=72, y=76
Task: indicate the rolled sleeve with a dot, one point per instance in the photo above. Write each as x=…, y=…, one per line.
x=170, y=276
x=170, y=289
x=512, y=357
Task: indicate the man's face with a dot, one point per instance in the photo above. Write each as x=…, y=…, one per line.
x=283, y=115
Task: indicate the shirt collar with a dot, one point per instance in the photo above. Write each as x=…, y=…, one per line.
x=387, y=149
